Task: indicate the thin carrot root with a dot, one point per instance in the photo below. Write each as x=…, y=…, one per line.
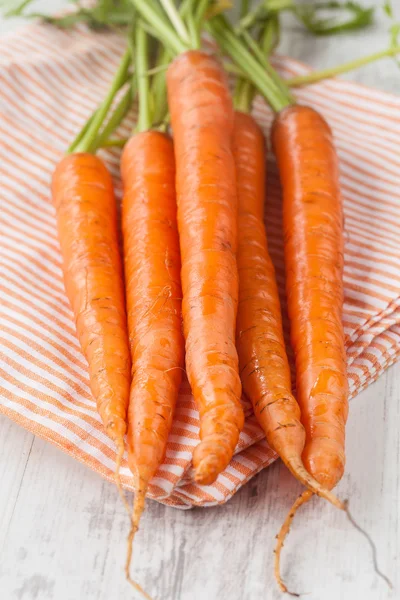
x=138, y=508
x=117, y=476
x=372, y=545
x=296, y=467
x=305, y=497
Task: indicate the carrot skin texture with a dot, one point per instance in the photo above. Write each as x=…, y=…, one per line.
x=152, y=273
x=264, y=366
x=313, y=231
x=83, y=196
x=202, y=122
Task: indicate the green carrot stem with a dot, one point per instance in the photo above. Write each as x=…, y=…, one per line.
x=86, y=126
x=255, y=72
x=176, y=19
x=163, y=125
x=263, y=60
x=17, y=10
x=160, y=68
x=159, y=86
x=250, y=18
x=152, y=32
x=88, y=142
x=193, y=31
x=82, y=133
x=201, y=13
x=118, y=115
x=164, y=31
x=114, y=143
x=243, y=96
x=270, y=36
x=232, y=68
x=144, y=121
x=267, y=38
x=244, y=9
x=218, y=8
x=185, y=7
x=262, y=11
x=344, y=68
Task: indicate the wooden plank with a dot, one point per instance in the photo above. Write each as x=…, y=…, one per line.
x=15, y=448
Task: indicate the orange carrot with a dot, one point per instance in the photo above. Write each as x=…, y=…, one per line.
x=153, y=288
x=263, y=362
x=152, y=271
x=202, y=122
x=87, y=226
x=313, y=229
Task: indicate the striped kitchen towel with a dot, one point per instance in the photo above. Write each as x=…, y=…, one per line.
x=50, y=81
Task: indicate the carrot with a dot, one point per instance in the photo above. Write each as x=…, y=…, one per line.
x=84, y=200
x=87, y=227
x=264, y=367
x=202, y=122
x=313, y=224
x=152, y=269
x=153, y=289
x=313, y=229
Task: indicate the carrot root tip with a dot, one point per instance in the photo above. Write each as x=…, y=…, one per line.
x=207, y=471
x=371, y=542
x=281, y=537
x=138, y=508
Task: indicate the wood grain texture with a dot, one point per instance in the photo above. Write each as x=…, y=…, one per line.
x=62, y=528
x=64, y=536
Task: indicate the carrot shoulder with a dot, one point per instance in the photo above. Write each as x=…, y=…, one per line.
x=202, y=122
x=87, y=226
x=152, y=271
x=313, y=233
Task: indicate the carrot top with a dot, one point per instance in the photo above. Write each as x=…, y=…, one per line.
x=261, y=43
x=178, y=30
x=94, y=134
x=250, y=55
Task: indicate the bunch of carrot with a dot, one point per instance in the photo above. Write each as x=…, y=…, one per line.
x=195, y=252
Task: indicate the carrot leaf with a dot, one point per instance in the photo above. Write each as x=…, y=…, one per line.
x=103, y=14
x=261, y=75
x=320, y=18
x=344, y=16
x=388, y=8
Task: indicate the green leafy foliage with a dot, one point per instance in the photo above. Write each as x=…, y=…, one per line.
x=388, y=8
x=320, y=18
x=104, y=13
x=394, y=30
x=394, y=35
x=341, y=17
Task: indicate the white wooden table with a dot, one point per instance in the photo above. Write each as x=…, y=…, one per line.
x=63, y=529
